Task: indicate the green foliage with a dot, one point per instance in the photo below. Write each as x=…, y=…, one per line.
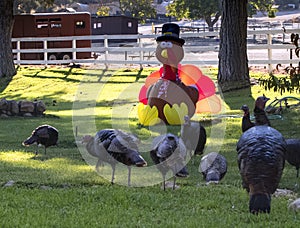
x=281, y=83
x=26, y=6
x=141, y=9
x=196, y=10
x=60, y=189
x=289, y=79
x=103, y=11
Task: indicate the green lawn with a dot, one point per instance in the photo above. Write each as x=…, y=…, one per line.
x=61, y=188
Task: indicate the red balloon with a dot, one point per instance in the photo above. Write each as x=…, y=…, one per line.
x=189, y=74
x=206, y=87
x=143, y=95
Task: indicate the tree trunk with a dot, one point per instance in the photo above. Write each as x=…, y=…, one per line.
x=233, y=61
x=7, y=67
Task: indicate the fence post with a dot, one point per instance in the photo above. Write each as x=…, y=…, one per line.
x=106, y=50
x=141, y=52
x=45, y=52
x=18, y=53
x=74, y=49
x=269, y=41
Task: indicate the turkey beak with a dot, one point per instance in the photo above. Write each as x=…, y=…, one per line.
x=164, y=53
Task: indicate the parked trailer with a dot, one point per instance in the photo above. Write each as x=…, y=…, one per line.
x=114, y=25
x=52, y=25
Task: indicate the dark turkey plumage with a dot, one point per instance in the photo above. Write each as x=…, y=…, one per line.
x=168, y=153
x=113, y=146
x=293, y=153
x=45, y=135
x=260, y=115
x=246, y=121
x=261, y=158
x=213, y=167
x=193, y=135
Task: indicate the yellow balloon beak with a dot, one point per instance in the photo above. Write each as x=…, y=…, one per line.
x=164, y=53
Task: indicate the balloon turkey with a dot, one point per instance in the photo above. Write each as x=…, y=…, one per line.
x=174, y=90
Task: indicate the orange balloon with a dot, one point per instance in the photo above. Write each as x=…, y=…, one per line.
x=211, y=104
x=189, y=74
x=152, y=78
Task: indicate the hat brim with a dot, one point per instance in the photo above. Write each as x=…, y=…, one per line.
x=172, y=38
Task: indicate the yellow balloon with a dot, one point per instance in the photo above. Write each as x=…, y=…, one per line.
x=147, y=116
x=175, y=114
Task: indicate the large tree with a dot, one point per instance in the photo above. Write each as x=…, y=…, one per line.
x=7, y=68
x=233, y=62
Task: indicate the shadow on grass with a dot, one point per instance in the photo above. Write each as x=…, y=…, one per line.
x=235, y=99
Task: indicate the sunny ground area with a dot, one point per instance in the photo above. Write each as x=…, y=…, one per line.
x=62, y=189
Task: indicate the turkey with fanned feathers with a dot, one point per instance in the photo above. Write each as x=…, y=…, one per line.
x=213, y=167
x=193, y=135
x=293, y=153
x=113, y=146
x=45, y=135
x=260, y=115
x=168, y=153
x=261, y=158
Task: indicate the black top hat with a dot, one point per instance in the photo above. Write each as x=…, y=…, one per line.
x=170, y=31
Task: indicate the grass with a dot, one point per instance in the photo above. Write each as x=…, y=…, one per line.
x=61, y=188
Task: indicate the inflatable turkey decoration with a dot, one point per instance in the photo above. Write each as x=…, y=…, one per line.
x=175, y=90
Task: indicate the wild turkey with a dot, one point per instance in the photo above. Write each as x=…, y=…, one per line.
x=45, y=135
x=168, y=153
x=293, y=153
x=193, y=135
x=113, y=146
x=261, y=158
x=213, y=167
x=260, y=115
x=246, y=121
x=259, y=111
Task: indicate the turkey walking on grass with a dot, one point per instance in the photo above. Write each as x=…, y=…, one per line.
x=168, y=153
x=293, y=153
x=113, y=146
x=45, y=135
x=261, y=158
x=213, y=167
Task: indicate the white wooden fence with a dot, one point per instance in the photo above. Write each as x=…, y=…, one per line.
x=269, y=47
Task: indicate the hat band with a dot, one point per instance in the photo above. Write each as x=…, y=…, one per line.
x=170, y=34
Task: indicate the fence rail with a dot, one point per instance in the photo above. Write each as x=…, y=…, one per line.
x=265, y=47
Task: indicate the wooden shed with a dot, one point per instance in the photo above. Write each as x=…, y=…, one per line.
x=115, y=25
